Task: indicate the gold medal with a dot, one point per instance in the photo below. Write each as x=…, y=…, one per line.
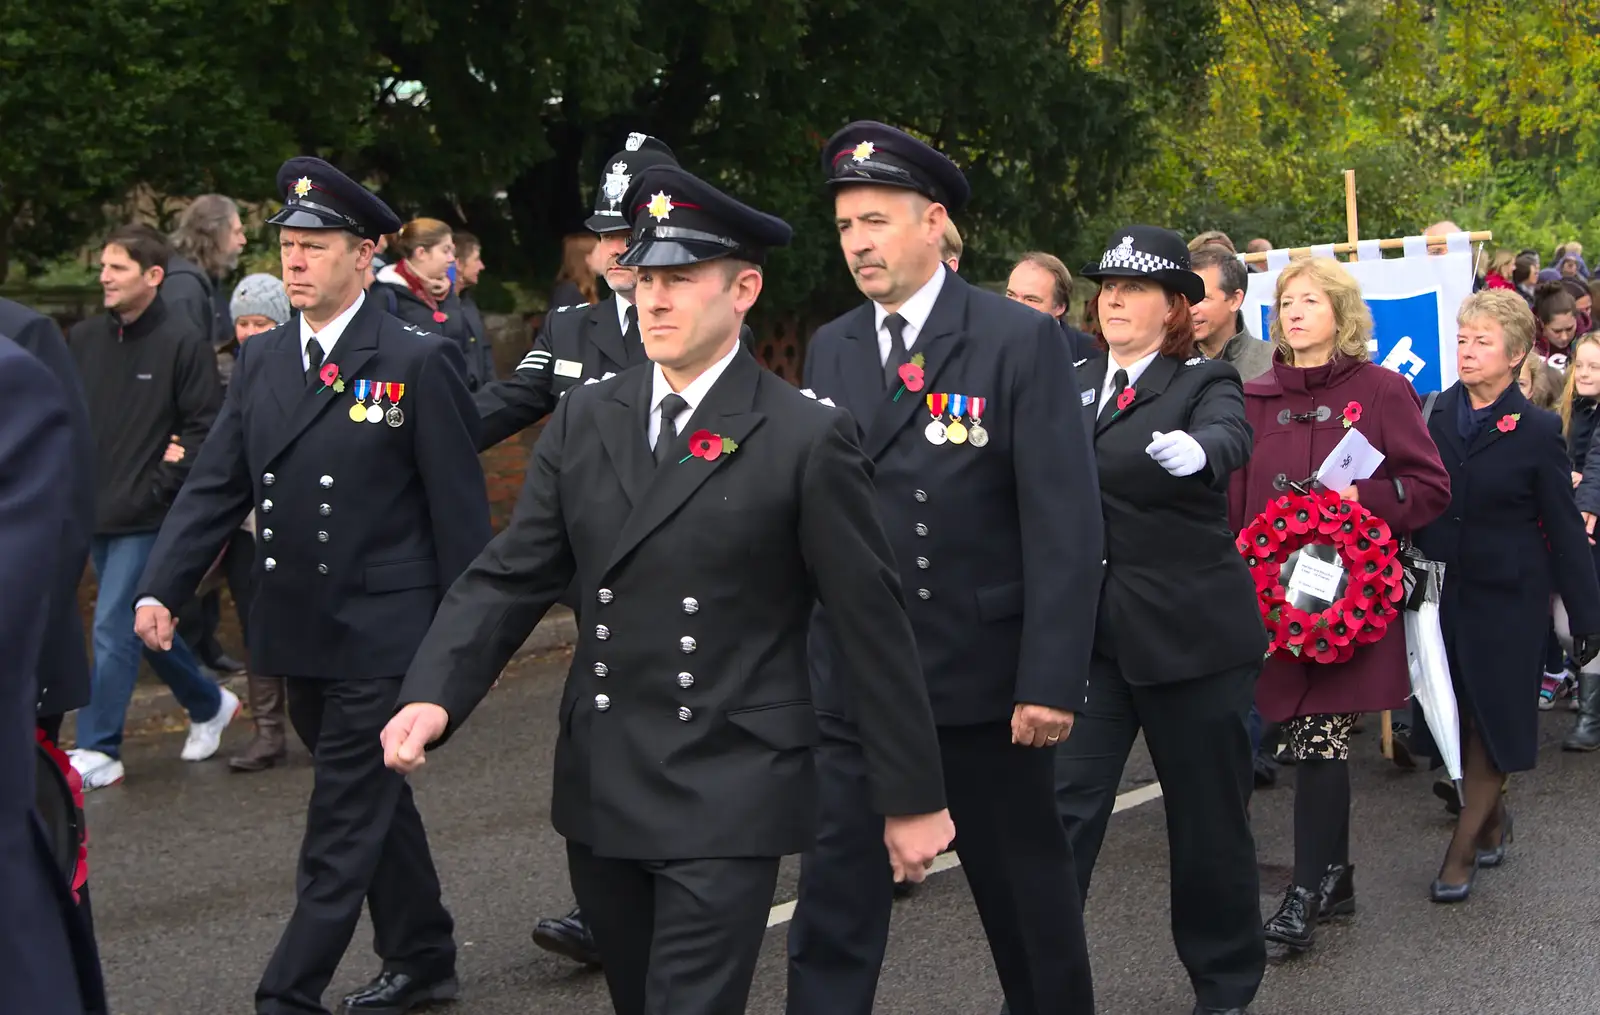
x=358, y=413
x=956, y=432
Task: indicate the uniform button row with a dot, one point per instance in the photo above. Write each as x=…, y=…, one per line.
x=271, y=564
x=922, y=530
x=267, y=479
x=602, y=702
x=691, y=605
x=685, y=679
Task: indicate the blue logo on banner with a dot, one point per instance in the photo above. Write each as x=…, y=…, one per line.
x=1407, y=332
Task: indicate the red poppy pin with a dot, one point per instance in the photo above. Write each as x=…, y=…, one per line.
x=439, y=317
x=910, y=376
x=1124, y=400
x=1352, y=414
x=329, y=374
x=708, y=445
x=1508, y=423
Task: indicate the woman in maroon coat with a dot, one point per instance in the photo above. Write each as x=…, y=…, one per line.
x=1321, y=378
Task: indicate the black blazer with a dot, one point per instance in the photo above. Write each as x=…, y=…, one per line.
x=686, y=724
x=1178, y=602
x=46, y=961
x=63, y=660
x=575, y=345
x=999, y=547
x=360, y=527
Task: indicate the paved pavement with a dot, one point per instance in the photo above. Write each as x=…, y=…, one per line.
x=192, y=869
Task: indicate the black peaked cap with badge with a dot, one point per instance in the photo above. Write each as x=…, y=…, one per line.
x=318, y=196
x=867, y=151
x=1149, y=252
x=639, y=152
x=678, y=218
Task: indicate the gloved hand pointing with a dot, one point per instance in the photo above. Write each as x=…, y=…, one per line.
x=1177, y=452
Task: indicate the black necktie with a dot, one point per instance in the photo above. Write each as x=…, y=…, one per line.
x=670, y=407
x=630, y=334
x=1119, y=382
x=899, y=355
x=314, y=358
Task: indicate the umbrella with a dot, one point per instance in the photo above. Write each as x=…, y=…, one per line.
x=1426, y=660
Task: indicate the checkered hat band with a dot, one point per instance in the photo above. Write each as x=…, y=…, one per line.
x=1138, y=260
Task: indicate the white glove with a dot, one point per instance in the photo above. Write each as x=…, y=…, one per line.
x=1177, y=452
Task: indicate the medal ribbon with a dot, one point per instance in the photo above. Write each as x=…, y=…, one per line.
x=936, y=404
x=958, y=406
x=361, y=390
x=394, y=391
x=977, y=407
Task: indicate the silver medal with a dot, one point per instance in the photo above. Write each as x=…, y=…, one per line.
x=977, y=436
x=935, y=432
x=394, y=417
x=374, y=413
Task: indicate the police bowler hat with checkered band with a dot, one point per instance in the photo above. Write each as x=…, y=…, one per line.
x=680, y=219
x=318, y=196
x=1149, y=252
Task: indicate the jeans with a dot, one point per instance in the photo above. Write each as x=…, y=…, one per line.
x=118, y=565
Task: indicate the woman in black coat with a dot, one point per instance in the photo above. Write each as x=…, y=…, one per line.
x=1179, y=639
x=417, y=289
x=1511, y=537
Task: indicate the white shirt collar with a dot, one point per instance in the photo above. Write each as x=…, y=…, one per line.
x=622, y=312
x=328, y=337
x=693, y=393
x=915, y=311
x=1135, y=371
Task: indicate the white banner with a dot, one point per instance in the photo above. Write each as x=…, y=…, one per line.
x=1413, y=301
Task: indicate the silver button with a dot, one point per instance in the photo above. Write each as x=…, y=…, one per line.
x=686, y=680
x=602, y=702
x=322, y=537
x=266, y=535
x=685, y=713
x=269, y=564
x=924, y=594
x=602, y=632
x=324, y=510
x=922, y=562
x=691, y=605
x=266, y=506
x=605, y=596
x=326, y=482
x=322, y=569
x=601, y=669
x=921, y=496
x=922, y=530
x=688, y=644
x=267, y=479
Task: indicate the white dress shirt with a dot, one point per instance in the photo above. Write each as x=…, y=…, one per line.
x=328, y=337
x=623, y=303
x=1107, y=395
x=915, y=311
x=694, y=393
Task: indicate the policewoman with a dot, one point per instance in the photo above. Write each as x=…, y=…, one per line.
x=1179, y=640
x=584, y=343
x=702, y=505
x=984, y=477
x=354, y=439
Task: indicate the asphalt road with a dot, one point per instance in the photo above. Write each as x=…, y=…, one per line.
x=193, y=869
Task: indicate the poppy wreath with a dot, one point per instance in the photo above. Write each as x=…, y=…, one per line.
x=1371, y=599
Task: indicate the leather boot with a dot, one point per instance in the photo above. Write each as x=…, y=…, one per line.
x=270, y=745
x=1586, y=735
x=1338, y=894
x=1295, y=923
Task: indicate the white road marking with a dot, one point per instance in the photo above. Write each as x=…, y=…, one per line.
x=783, y=912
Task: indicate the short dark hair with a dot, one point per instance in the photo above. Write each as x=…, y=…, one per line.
x=466, y=244
x=1060, y=277
x=1522, y=270
x=148, y=248
x=1231, y=273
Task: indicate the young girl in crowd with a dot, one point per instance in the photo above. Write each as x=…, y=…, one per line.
x=1557, y=312
x=1580, y=412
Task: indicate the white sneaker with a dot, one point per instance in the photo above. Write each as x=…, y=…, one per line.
x=97, y=770
x=206, y=737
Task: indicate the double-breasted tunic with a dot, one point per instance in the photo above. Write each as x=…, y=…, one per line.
x=1298, y=418
x=1510, y=537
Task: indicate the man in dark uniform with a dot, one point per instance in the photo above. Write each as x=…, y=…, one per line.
x=982, y=461
x=703, y=505
x=354, y=438
x=587, y=342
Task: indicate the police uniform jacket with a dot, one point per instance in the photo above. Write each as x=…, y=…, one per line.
x=686, y=724
x=360, y=526
x=999, y=547
x=1178, y=602
x=574, y=345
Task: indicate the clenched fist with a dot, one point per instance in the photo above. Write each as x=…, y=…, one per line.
x=914, y=840
x=407, y=736
x=153, y=624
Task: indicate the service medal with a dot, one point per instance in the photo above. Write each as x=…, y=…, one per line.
x=935, y=432
x=957, y=430
x=374, y=412
x=394, y=417
x=358, y=411
x=977, y=436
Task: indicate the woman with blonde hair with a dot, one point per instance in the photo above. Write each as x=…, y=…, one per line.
x=1580, y=414
x=1501, y=266
x=1323, y=385
x=1510, y=538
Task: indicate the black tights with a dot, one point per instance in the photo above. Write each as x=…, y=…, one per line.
x=1321, y=819
x=1483, y=812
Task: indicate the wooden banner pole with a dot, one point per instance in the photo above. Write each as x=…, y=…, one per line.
x=1352, y=233
x=1347, y=248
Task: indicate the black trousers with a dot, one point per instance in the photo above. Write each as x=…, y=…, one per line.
x=364, y=841
x=679, y=937
x=1013, y=852
x=1199, y=738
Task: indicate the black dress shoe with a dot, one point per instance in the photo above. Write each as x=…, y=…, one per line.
x=1338, y=894
x=1294, y=925
x=1496, y=856
x=567, y=935
x=395, y=993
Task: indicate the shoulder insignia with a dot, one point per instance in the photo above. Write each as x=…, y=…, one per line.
x=1079, y=362
x=570, y=306
x=537, y=361
x=413, y=329
x=591, y=380
x=828, y=402
x=1191, y=361
x=608, y=375
x=808, y=393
